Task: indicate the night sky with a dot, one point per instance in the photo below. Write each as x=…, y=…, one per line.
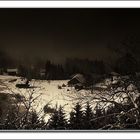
x=57, y=34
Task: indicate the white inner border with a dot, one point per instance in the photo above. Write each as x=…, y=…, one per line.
x=70, y=4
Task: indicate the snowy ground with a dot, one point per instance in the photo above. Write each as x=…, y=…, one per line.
x=50, y=93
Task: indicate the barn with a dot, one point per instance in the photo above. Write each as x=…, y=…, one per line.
x=78, y=81
x=12, y=71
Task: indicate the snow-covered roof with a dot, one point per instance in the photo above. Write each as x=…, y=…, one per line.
x=114, y=73
x=12, y=70
x=80, y=78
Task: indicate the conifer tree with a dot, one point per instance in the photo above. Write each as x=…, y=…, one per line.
x=76, y=117
x=99, y=122
x=53, y=122
x=72, y=120
x=34, y=122
x=62, y=122
x=88, y=116
x=57, y=120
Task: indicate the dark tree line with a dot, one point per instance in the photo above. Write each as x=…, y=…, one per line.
x=73, y=66
x=54, y=71
x=80, y=119
x=84, y=66
x=63, y=71
x=89, y=120
x=126, y=64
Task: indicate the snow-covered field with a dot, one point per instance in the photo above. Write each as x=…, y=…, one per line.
x=47, y=92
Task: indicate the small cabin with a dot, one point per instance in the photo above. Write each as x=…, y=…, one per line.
x=12, y=71
x=78, y=81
